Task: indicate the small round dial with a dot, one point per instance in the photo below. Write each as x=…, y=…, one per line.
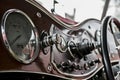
x=20, y=35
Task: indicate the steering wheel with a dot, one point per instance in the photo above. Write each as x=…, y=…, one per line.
x=112, y=24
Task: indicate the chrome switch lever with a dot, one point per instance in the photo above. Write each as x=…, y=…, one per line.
x=82, y=49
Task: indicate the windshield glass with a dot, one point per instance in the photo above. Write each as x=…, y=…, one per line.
x=80, y=10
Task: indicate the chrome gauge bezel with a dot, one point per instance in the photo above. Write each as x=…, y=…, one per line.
x=33, y=32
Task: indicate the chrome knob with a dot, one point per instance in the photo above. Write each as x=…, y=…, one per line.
x=50, y=40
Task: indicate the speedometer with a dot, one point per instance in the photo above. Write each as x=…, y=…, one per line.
x=20, y=35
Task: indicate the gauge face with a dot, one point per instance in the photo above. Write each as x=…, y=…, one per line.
x=20, y=36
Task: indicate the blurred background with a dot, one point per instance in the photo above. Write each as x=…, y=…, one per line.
x=79, y=10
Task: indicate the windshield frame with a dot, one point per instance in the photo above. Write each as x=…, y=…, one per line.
x=105, y=9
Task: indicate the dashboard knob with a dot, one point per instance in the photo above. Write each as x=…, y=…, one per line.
x=75, y=66
x=86, y=66
x=97, y=61
x=50, y=40
x=92, y=63
x=68, y=63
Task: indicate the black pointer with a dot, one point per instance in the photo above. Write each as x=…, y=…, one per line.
x=15, y=39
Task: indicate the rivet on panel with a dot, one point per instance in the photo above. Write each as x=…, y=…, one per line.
x=38, y=14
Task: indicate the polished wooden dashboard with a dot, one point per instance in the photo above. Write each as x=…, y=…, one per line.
x=50, y=60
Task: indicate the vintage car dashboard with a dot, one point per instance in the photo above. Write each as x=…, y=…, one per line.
x=36, y=43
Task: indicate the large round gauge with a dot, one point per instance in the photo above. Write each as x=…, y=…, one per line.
x=20, y=36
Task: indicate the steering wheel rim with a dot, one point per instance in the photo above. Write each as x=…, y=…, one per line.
x=106, y=22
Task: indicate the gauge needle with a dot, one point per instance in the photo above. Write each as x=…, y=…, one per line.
x=15, y=39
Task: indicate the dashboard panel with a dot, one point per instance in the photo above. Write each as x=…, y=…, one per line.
x=34, y=40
